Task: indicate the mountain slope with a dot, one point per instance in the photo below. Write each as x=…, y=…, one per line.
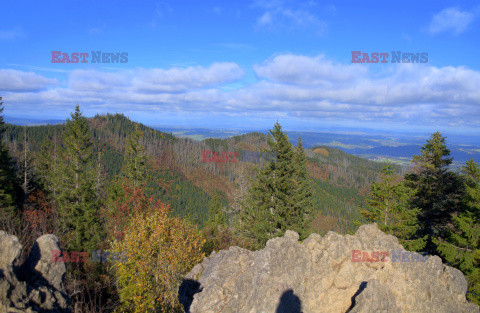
x=177, y=175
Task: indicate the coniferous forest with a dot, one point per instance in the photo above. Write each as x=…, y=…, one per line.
x=111, y=184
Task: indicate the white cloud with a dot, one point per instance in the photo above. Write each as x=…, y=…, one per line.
x=178, y=79
x=451, y=20
x=155, y=80
x=94, y=80
x=301, y=78
x=287, y=85
x=303, y=70
x=13, y=80
x=278, y=15
x=265, y=19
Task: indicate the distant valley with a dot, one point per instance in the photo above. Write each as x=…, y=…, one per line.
x=372, y=146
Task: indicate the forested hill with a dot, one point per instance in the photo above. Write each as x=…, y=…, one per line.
x=356, y=171
x=177, y=175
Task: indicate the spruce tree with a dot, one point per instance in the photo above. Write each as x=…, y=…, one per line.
x=216, y=216
x=255, y=221
x=438, y=191
x=215, y=224
x=304, y=194
x=135, y=167
x=462, y=246
x=132, y=179
x=274, y=200
x=46, y=165
x=10, y=190
x=76, y=198
x=389, y=207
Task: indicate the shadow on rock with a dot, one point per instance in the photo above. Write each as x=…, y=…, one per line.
x=187, y=291
x=289, y=303
x=363, y=285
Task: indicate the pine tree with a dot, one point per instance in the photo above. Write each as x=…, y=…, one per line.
x=77, y=200
x=304, y=193
x=215, y=224
x=46, y=165
x=274, y=201
x=462, y=247
x=255, y=221
x=135, y=168
x=216, y=216
x=129, y=184
x=438, y=191
x=389, y=207
x=10, y=191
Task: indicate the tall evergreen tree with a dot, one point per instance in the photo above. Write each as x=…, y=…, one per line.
x=131, y=180
x=77, y=200
x=135, y=168
x=439, y=191
x=274, y=202
x=304, y=194
x=216, y=216
x=462, y=246
x=46, y=165
x=215, y=224
x=389, y=207
x=10, y=191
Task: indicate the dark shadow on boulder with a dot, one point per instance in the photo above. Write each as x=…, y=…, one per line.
x=26, y=272
x=363, y=285
x=289, y=303
x=187, y=290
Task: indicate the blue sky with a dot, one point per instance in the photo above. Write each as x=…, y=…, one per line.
x=246, y=63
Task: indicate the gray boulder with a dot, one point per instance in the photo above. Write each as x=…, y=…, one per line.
x=321, y=275
x=35, y=286
x=10, y=250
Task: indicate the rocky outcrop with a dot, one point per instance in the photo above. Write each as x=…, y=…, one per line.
x=322, y=274
x=35, y=286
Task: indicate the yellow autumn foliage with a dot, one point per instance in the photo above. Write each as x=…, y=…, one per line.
x=160, y=250
x=322, y=151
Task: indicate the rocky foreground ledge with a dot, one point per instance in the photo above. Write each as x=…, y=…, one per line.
x=35, y=286
x=330, y=274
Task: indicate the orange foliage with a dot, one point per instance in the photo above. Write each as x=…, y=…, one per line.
x=38, y=214
x=210, y=182
x=318, y=171
x=132, y=201
x=322, y=151
x=324, y=223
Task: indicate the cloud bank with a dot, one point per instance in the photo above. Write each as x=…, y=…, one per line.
x=288, y=85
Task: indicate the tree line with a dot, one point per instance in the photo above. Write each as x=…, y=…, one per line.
x=433, y=209
x=127, y=188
